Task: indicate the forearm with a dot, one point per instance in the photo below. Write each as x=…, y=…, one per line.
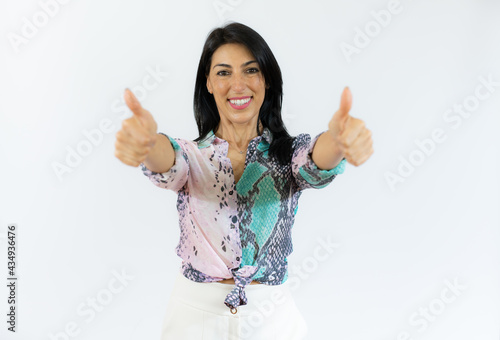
x=326, y=155
x=162, y=157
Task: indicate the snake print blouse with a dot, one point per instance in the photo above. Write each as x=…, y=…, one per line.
x=242, y=230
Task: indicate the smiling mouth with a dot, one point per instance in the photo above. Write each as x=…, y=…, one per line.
x=240, y=101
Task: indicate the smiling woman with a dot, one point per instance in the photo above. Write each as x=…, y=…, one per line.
x=238, y=187
x=238, y=92
x=236, y=62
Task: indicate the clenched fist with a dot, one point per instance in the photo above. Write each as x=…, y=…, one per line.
x=138, y=135
x=350, y=134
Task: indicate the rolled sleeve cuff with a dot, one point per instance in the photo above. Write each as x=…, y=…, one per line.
x=309, y=175
x=176, y=176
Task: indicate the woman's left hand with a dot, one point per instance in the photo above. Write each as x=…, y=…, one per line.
x=350, y=134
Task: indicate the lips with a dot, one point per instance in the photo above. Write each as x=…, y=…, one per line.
x=240, y=103
x=239, y=100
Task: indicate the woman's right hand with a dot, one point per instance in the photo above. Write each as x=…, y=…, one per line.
x=138, y=135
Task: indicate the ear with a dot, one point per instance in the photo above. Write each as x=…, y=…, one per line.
x=209, y=85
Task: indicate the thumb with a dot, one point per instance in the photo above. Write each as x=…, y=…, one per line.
x=133, y=104
x=345, y=102
x=142, y=115
x=342, y=114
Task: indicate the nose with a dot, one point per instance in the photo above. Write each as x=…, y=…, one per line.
x=238, y=83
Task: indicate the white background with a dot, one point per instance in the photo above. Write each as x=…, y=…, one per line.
x=398, y=248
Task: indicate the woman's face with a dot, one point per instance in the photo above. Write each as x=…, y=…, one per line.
x=237, y=84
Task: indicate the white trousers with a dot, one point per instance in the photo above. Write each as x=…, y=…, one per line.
x=196, y=311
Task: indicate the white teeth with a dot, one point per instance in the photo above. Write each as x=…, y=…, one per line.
x=240, y=102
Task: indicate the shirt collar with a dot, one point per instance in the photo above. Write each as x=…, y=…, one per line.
x=211, y=138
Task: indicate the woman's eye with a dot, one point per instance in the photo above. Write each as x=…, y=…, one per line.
x=222, y=73
x=253, y=70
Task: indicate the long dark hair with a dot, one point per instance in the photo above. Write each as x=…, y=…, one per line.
x=205, y=109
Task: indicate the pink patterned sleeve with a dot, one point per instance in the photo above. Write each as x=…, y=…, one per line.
x=176, y=177
x=304, y=170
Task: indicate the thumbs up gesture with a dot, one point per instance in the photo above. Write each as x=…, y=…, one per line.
x=138, y=135
x=349, y=133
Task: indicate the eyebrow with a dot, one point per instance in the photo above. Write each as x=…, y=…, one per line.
x=243, y=65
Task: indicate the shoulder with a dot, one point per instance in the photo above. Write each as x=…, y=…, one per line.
x=301, y=140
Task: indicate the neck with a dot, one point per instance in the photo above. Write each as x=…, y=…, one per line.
x=238, y=136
